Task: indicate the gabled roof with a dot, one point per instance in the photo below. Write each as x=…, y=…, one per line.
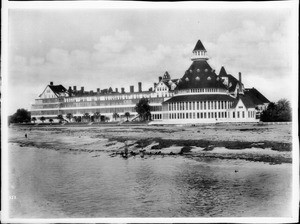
x=246, y=99
x=232, y=81
x=170, y=82
x=57, y=89
x=200, y=75
x=199, y=97
x=256, y=96
x=166, y=76
x=199, y=46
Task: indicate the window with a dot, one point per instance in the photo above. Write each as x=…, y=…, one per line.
x=204, y=115
x=197, y=105
x=233, y=114
x=187, y=115
x=208, y=115
x=238, y=114
x=243, y=114
x=204, y=105
x=198, y=115
x=208, y=105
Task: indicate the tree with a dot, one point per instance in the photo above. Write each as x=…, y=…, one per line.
x=284, y=110
x=143, y=109
x=115, y=116
x=97, y=116
x=277, y=112
x=43, y=119
x=20, y=116
x=33, y=119
x=50, y=120
x=77, y=119
x=69, y=116
x=60, y=118
x=127, y=115
x=86, y=117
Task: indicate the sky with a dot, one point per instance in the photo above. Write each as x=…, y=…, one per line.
x=102, y=48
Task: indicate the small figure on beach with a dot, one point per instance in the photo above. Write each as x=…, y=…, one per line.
x=142, y=153
x=125, y=151
x=25, y=135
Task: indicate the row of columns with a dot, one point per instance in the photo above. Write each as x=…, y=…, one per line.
x=199, y=105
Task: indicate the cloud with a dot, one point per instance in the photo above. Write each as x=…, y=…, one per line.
x=116, y=58
x=115, y=43
x=252, y=47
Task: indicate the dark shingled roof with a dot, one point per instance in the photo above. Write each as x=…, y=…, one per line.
x=256, y=96
x=199, y=97
x=246, y=99
x=251, y=98
x=223, y=72
x=199, y=46
x=57, y=89
x=200, y=75
x=231, y=79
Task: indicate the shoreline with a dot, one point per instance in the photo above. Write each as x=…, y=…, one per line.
x=163, y=141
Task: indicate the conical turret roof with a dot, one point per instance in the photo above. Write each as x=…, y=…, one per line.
x=222, y=72
x=199, y=46
x=200, y=75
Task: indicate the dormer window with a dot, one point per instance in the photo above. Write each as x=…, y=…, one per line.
x=187, y=79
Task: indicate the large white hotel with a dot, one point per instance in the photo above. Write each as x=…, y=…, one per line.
x=200, y=96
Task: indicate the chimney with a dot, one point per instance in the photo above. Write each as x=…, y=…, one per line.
x=122, y=90
x=131, y=89
x=98, y=90
x=82, y=89
x=155, y=84
x=159, y=78
x=140, y=86
x=117, y=90
x=240, y=83
x=51, y=83
x=74, y=88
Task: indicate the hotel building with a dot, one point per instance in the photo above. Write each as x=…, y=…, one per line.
x=200, y=96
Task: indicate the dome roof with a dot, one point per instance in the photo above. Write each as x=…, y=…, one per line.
x=200, y=70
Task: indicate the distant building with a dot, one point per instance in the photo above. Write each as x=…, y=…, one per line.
x=200, y=96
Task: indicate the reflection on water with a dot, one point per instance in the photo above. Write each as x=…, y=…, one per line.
x=52, y=184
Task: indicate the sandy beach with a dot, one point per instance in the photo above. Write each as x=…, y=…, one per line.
x=254, y=142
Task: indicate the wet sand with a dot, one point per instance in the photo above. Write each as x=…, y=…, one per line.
x=254, y=142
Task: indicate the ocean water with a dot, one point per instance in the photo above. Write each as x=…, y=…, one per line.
x=55, y=184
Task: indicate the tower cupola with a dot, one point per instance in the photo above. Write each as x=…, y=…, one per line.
x=199, y=52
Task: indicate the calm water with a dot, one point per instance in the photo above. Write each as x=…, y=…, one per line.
x=53, y=184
